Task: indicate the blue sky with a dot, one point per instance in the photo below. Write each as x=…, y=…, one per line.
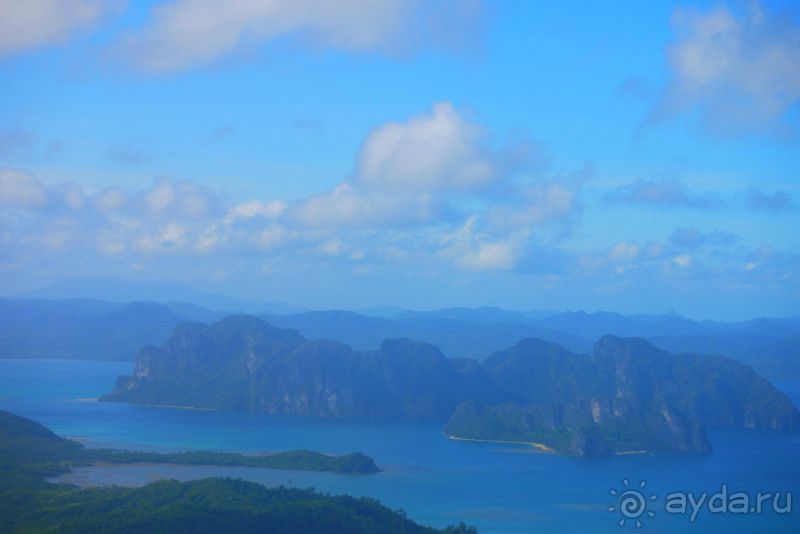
x=636, y=157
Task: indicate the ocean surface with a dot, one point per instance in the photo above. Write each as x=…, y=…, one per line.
x=437, y=481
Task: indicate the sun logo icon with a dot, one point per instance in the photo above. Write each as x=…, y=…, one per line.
x=632, y=503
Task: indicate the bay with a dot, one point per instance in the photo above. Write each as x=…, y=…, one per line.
x=437, y=481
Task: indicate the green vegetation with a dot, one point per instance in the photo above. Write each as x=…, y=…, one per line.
x=627, y=396
x=354, y=463
x=24, y=441
x=242, y=363
x=211, y=505
x=29, y=452
x=504, y=422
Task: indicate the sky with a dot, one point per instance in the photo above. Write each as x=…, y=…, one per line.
x=638, y=157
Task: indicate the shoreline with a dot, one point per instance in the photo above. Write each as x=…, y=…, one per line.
x=538, y=446
x=170, y=406
x=178, y=407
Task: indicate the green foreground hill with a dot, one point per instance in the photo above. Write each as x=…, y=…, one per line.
x=29, y=452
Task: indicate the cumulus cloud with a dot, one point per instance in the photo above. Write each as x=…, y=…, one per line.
x=410, y=172
x=535, y=204
x=163, y=216
x=683, y=260
x=27, y=24
x=348, y=205
x=714, y=270
x=740, y=72
x=437, y=174
x=670, y=192
x=182, y=199
x=432, y=188
x=437, y=150
x=110, y=200
x=777, y=202
x=711, y=258
x=183, y=225
x=255, y=209
x=181, y=34
x=19, y=189
x=471, y=249
x=72, y=195
x=624, y=252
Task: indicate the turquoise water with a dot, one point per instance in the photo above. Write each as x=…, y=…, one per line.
x=498, y=488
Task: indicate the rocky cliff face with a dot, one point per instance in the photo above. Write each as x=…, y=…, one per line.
x=243, y=363
x=627, y=396
x=717, y=391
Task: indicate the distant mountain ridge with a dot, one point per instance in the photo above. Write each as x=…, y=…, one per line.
x=161, y=291
x=81, y=328
x=72, y=328
x=627, y=396
x=455, y=337
x=484, y=314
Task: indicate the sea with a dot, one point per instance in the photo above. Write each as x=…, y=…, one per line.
x=437, y=481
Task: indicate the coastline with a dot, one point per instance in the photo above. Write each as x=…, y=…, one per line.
x=179, y=407
x=538, y=446
x=170, y=406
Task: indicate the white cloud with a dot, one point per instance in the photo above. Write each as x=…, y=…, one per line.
x=411, y=172
x=437, y=150
x=255, y=208
x=740, y=72
x=19, y=189
x=26, y=24
x=536, y=204
x=684, y=260
x=160, y=197
x=489, y=256
x=58, y=232
x=110, y=200
x=429, y=189
x=347, y=205
x=182, y=198
x=654, y=250
x=272, y=236
x=472, y=249
x=624, y=252
x=403, y=172
x=332, y=247
x=190, y=33
x=73, y=196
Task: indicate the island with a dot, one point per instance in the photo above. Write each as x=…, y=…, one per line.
x=16, y=433
x=627, y=396
x=30, y=452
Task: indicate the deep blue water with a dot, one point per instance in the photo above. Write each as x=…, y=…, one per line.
x=437, y=481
